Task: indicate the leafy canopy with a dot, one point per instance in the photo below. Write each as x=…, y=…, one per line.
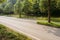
x=1, y=1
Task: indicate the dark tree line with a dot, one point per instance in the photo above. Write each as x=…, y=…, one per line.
x=34, y=7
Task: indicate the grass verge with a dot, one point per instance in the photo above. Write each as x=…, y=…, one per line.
x=52, y=24
x=8, y=34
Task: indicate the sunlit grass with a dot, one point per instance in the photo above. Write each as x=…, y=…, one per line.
x=55, y=22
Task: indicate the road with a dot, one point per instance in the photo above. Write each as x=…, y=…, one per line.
x=30, y=28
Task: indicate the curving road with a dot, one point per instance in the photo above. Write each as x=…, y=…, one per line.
x=30, y=28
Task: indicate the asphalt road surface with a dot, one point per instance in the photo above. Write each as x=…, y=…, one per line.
x=30, y=28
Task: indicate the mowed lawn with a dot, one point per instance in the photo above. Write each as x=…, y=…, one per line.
x=55, y=22
x=8, y=34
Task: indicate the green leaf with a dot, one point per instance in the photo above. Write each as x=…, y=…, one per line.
x=1, y=1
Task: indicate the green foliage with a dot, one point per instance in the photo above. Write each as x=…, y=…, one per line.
x=1, y=1
x=54, y=8
x=31, y=7
x=18, y=8
x=8, y=34
x=43, y=5
x=27, y=7
x=36, y=9
x=8, y=7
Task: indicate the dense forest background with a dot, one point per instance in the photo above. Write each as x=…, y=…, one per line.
x=30, y=7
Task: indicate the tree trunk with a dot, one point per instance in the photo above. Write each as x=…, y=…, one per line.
x=49, y=11
x=20, y=15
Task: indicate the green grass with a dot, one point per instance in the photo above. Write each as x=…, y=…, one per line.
x=33, y=17
x=55, y=22
x=52, y=18
x=8, y=34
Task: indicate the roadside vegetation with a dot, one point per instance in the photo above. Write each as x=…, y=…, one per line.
x=55, y=22
x=8, y=34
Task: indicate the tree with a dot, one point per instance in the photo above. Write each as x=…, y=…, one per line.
x=1, y=1
x=58, y=4
x=11, y=1
x=49, y=11
x=36, y=8
x=43, y=7
x=8, y=8
x=18, y=8
x=27, y=7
